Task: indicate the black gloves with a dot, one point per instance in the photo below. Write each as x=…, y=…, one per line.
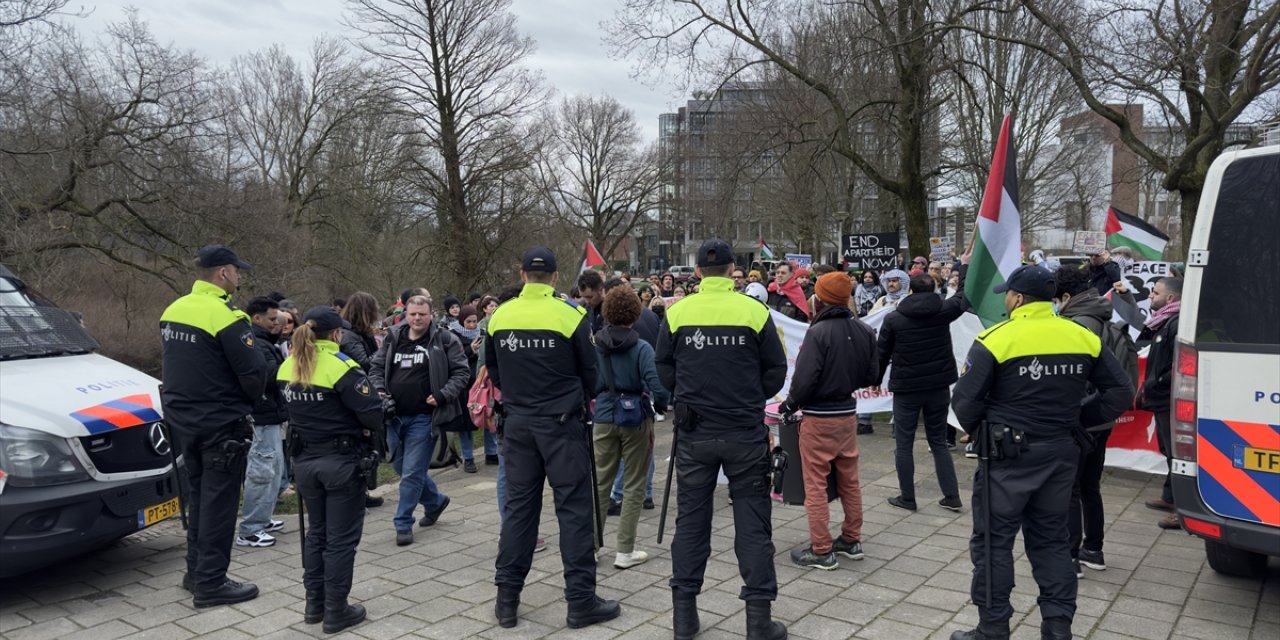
x=788, y=406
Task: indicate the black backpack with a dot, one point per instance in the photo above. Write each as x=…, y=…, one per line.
x=443, y=455
x=1116, y=338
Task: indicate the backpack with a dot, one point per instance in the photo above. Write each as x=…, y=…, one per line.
x=1117, y=340
x=442, y=455
x=480, y=401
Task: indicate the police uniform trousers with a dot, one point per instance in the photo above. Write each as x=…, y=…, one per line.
x=537, y=449
x=214, y=478
x=743, y=453
x=1030, y=492
x=332, y=490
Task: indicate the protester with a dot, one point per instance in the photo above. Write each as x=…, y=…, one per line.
x=802, y=280
x=468, y=332
x=668, y=286
x=1103, y=272
x=786, y=296
x=265, y=468
x=919, y=262
x=1161, y=332
x=679, y=293
x=646, y=294
x=359, y=343
x=1027, y=422
x=916, y=339
x=488, y=304
x=868, y=292
x=545, y=366
x=659, y=307
x=332, y=415
x=627, y=374
x=753, y=276
x=894, y=282
x=721, y=356
x=757, y=291
x=422, y=368
x=739, y=280
x=1077, y=300
x=288, y=321
x=212, y=377
x=838, y=357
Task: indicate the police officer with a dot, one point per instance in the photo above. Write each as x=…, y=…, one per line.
x=212, y=376
x=333, y=413
x=706, y=344
x=1023, y=394
x=541, y=357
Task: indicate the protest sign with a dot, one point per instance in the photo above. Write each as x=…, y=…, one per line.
x=870, y=250
x=1088, y=243
x=940, y=249
x=1132, y=444
x=800, y=260
x=1141, y=278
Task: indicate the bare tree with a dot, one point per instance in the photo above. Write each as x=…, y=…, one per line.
x=596, y=175
x=455, y=65
x=1197, y=66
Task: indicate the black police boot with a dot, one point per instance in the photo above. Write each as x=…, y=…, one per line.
x=984, y=631
x=760, y=626
x=506, y=607
x=229, y=592
x=315, y=607
x=597, y=611
x=336, y=620
x=684, y=614
x=1055, y=629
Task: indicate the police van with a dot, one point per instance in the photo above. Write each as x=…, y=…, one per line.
x=84, y=457
x=1226, y=383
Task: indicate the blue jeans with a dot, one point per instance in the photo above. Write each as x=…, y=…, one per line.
x=413, y=439
x=616, y=494
x=262, y=478
x=465, y=441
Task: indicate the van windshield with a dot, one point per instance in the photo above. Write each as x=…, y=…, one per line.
x=1240, y=289
x=30, y=327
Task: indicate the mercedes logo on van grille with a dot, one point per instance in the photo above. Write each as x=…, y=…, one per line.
x=159, y=441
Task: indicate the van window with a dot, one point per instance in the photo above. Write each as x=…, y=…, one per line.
x=1240, y=288
x=30, y=327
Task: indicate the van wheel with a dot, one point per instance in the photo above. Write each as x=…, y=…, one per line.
x=1234, y=562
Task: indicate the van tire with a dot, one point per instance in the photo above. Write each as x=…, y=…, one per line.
x=1234, y=562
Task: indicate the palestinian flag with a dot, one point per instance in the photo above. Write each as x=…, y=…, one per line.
x=997, y=243
x=1124, y=230
x=591, y=258
x=765, y=252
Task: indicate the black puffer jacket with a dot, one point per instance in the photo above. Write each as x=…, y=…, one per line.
x=838, y=357
x=270, y=408
x=916, y=338
x=1157, y=386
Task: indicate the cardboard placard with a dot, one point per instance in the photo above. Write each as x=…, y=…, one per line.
x=870, y=250
x=1088, y=243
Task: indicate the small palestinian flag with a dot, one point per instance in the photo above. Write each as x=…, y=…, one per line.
x=1124, y=230
x=765, y=252
x=591, y=258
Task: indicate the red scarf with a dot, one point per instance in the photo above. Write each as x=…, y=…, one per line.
x=794, y=293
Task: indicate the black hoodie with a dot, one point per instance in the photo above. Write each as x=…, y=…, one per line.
x=916, y=338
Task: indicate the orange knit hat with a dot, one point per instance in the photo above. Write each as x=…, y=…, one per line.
x=834, y=288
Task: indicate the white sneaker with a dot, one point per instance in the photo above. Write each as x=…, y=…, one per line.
x=628, y=560
x=659, y=417
x=274, y=526
x=260, y=539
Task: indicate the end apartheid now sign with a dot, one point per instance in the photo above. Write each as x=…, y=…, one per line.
x=870, y=250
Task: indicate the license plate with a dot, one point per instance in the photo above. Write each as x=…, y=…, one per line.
x=156, y=513
x=1264, y=460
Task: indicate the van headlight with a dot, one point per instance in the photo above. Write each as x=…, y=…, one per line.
x=35, y=459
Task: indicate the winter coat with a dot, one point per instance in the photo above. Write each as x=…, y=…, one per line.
x=633, y=371
x=1092, y=312
x=1103, y=277
x=449, y=372
x=1157, y=385
x=270, y=408
x=837, y=358
x=916, y=339
x=359, y=348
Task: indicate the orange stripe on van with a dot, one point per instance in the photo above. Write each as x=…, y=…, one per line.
x=120, y=419
x=1255, y=434
x=1245, y=489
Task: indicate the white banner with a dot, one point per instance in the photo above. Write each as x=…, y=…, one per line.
x=1130, y=447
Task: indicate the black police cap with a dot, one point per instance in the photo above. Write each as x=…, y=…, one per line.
x=538, y=259
x=1032, y=280
x=325, y=319
x=217, y=255
x=714, y=252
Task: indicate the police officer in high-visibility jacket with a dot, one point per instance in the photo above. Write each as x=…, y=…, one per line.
x=721, y=354
x=212, y=376
x=1023, y=395
x=541, y=357
x=333, y=412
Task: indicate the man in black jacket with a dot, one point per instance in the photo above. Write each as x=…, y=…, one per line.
x=265, y=469
x=837, y=358
x=1103, y=272
x=1161, y=332
x=916, y=339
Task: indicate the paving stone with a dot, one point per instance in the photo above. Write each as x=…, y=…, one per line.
x=1135, y=627
x=212, y=620
x=55, y=628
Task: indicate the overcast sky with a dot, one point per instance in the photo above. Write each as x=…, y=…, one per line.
x=570, y=52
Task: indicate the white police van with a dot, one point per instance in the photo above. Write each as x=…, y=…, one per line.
x=84, y=458
x=1226, y=385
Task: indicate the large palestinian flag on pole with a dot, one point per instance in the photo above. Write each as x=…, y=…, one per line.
x=1124, y=230
x=997, y=246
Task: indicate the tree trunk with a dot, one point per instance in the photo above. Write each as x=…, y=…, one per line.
x=1187, y=210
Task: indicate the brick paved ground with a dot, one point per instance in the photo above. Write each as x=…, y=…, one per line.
x=912, y=585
